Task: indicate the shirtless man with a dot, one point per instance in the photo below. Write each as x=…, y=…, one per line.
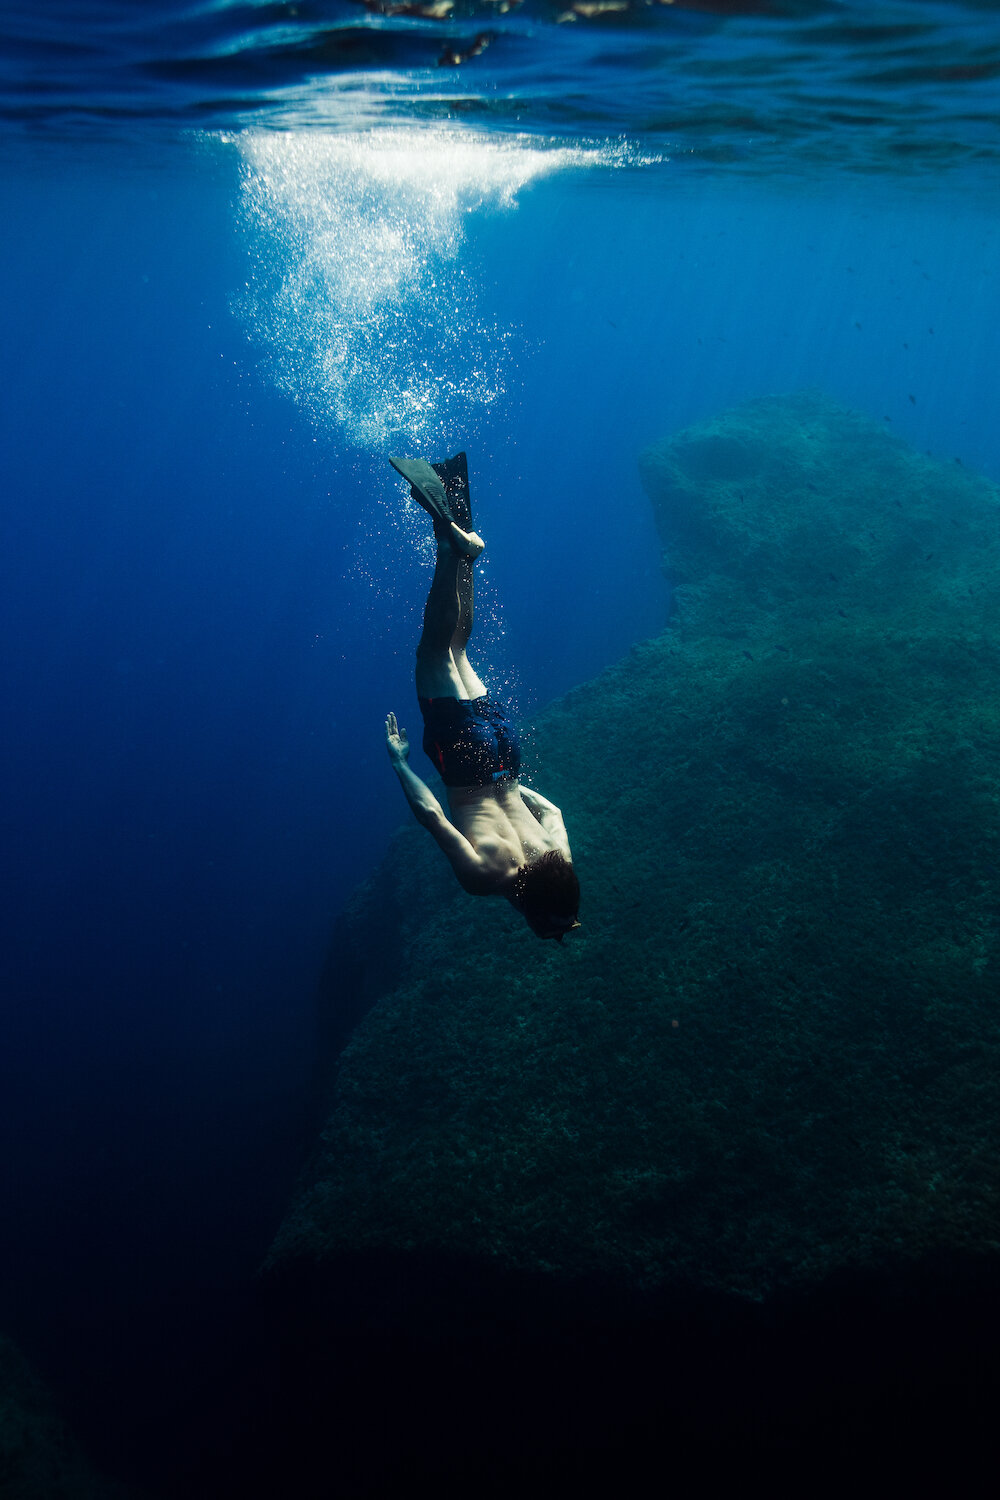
x=501, y=838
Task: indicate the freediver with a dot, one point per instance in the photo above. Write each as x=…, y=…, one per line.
x=500, y=837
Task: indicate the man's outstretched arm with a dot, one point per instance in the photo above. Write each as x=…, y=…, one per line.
x=429, y=813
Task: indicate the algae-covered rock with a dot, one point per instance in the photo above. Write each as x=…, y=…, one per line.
x=772, y=1052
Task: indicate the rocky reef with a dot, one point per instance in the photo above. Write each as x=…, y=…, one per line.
x=773, y=1049
x=768, y=1066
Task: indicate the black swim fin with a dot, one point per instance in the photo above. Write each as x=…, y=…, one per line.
x=454, y=475
x=426, y=487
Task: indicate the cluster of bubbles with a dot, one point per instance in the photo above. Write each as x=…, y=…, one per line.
x=358, y=299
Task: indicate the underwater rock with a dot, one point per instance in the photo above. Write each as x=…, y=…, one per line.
x=38, y=1458
x=771, y=1053
x=719, y=1174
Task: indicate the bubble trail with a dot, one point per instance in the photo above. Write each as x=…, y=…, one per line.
x=358, y=299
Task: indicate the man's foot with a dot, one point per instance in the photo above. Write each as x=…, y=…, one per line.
x=466, y=543
x=427, y=488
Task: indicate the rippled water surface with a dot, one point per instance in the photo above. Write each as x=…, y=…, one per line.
x=756, y=83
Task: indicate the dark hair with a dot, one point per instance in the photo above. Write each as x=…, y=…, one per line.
x=547, y=893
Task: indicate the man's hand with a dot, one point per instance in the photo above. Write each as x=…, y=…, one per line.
x=397, y=741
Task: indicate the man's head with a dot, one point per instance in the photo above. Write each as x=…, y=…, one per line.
x=547, y=894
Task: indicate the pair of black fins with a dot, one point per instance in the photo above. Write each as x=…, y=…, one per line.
x=442, y=488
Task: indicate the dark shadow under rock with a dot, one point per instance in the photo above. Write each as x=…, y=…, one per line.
x=392, y=1374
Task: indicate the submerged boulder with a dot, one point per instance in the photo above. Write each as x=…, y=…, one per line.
x=772, y=1052
x=718, y=1177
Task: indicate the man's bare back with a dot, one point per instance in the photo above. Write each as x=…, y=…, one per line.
x=500, y=837
x=508, y=825
x=492, y=831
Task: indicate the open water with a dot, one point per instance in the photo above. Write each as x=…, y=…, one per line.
x=247, y=250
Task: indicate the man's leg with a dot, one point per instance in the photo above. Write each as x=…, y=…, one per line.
x=463, y=629
x=437, y=673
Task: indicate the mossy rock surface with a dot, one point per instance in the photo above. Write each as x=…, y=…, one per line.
x=772, y=1053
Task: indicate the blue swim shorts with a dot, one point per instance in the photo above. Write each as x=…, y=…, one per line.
x=471, y=741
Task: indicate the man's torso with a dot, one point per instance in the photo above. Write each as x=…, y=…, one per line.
x=500, y=828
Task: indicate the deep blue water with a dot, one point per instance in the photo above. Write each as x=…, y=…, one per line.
x=212, y=581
